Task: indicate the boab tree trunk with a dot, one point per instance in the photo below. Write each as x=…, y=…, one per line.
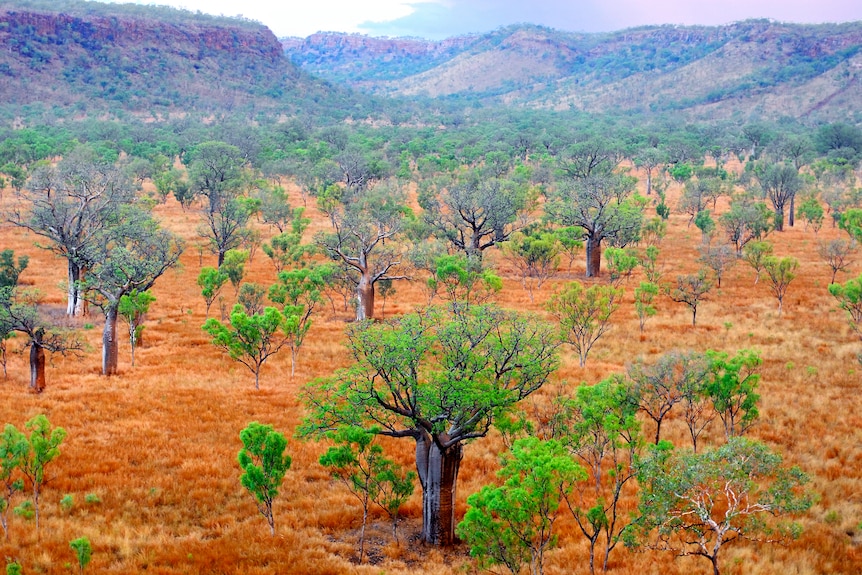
x=365, y=297
x=110, y=344
x=37, y=364
x=594, y=256
x=438, y=474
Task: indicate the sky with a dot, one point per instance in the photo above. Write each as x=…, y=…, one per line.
x=437, y=19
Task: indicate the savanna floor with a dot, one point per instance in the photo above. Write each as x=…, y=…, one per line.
x=157, y=444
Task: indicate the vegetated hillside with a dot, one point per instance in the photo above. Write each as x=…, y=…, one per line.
x=751, y=67
x=85, y=55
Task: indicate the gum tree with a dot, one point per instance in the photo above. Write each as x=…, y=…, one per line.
x=584, y=314
x=696, y=504
x=439, y=377
x=264, y=464
x=513, y=524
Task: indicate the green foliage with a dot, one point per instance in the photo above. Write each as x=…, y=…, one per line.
x=300, y=292
x=14, y=449
x=755, y=254
x=211, y=281
x=133, y=307
x=358, y=462
x=644, y=295
x=732, y=389
x=512, y=524
x=463, y=280
x=83, y=551
x=600, y=428
x=584, y=314
x=849, y=296
x=811, y=211
x=14, y=569
x=746, y=221
x=571, y=240
x=851, y=222
x=67, y=502
x=535, y=256
x=621, y=262
x=287, y=249
x=705, y=224
x=44, y=445
x=234, y=266
x=780, y=272
x=249, y=339
x=92, y=499
x=9, y=270
x=694, y=504
x=264, y=464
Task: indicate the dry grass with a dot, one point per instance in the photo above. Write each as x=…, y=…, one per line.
x=157, y=444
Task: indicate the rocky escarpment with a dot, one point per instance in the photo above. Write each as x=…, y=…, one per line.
x=138, y=62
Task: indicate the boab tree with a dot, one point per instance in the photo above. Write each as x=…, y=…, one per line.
x=473, y=213
x=20, y=313
x=130, y=256
x=364, y=224
x=602, y=207
x=70, y=205
x=779, y=183
x=440, y=378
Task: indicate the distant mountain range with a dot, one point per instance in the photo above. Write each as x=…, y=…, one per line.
x=71, y=57
x=756, y=67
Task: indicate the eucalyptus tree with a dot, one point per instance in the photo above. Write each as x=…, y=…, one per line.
x=440, y=377
x=216, y=171
x=70, y=205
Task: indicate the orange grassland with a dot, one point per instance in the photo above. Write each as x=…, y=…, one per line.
x=158, y=443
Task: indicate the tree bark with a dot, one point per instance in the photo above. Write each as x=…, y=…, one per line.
x=438, y=475
x=594, y=256
x=73, y=304
x=365, y=297
x=37, y=366
x=779, y=219
x=110, y=343
x=791, y=217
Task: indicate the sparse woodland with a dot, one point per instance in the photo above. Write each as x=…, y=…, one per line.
x=148, y=469
x=407, y=337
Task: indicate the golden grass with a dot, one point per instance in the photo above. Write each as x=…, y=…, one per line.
x=158, y=443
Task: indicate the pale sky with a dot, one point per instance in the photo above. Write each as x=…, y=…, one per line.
x=443, y=18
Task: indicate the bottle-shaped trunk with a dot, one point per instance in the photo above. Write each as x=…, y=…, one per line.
x=110, y=343
x=73, y=293
x=594, y=256
x=37, y=365
x=438, y=474
x=365, y=297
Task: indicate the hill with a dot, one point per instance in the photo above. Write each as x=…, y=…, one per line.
x=80, y=56
x=756, y=67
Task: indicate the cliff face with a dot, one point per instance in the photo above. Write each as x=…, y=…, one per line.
x=140, y=63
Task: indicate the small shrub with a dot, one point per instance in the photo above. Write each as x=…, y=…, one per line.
x=92, y=499
x=83, y=551
x=67, y=502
